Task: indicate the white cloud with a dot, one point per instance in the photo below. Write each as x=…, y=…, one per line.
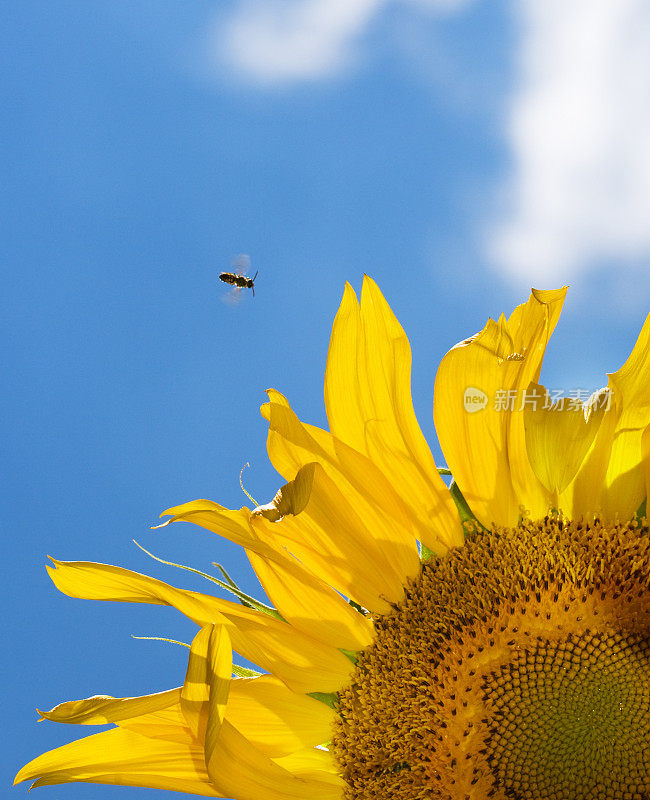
x=579, y=133
x=286, y=41
x=577, y=198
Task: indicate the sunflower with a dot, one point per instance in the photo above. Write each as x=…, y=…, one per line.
x=486, y=639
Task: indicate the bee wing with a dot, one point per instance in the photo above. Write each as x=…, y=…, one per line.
x=241, y=264
x=233, y=297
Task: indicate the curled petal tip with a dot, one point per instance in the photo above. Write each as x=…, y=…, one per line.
x=162, y=524
x=268, y=511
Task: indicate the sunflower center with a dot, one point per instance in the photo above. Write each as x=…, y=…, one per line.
x=516, y=667
x=571, y=719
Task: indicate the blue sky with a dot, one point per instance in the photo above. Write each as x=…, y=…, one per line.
x=458, y=152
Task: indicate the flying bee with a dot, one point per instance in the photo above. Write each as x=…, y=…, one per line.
x=240, y=281
x=237, y=278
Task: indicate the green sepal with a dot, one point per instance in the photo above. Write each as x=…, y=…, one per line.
x=642, y=512
x=425, y=553
x=222, y=570
x=160, y=639
x=244, y=672
x=245, y=599
x=351, y=654
x=467, y=519
x=231, y=586
x=329, y=698
x=357, y=607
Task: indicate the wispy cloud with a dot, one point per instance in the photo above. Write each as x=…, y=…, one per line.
x=279, y=42
x=579, y=132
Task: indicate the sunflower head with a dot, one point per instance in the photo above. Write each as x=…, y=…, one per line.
x=518, y=666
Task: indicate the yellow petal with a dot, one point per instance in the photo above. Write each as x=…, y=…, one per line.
x=219, y=668
x=231, y=524
x=611, y=482
x=558, y=436
x=276, y=720
x=122, y=757
x=319, y=527
x=583, y=496
x=331, y=537
x=207, y=683
x=360, y=484
x=485, y=446
x=310, y=605
x=300, y=661
x=93, y=581
x=625, y=481
x=103, y=709
x=240, y=770
x=167, y=723
x=304, y=600
x=631, y=382
x=317, y=764
x=369, y=407
x=645, y=451
x=196, y=689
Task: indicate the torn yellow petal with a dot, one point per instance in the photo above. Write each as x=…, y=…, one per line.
x=291, y=445
x=484, y=443
x=304, y=600
x=103, y=709
x=369, y=407
x=238, y=769
x=308, y=602
x=300, y=661
x=292, y=498
x=122, y=757
x=276, y=720
x=330, y=536
x=559, y=436
x=234, y=525
x=531, y=325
